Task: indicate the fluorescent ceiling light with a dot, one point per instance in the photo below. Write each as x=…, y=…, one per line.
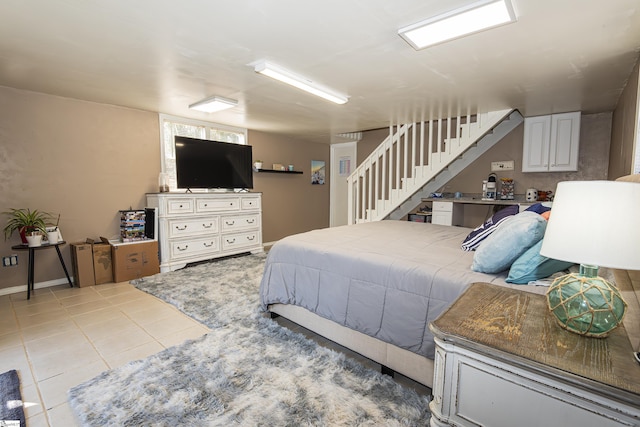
x=286, y=76
x=457, y=23
x=213, y=104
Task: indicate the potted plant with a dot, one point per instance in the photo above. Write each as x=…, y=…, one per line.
x=27, y=222
x=257, y=164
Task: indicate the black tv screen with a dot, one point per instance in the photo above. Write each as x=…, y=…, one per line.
x=211, y=164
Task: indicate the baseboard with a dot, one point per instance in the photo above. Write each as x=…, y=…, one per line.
x=39, y=285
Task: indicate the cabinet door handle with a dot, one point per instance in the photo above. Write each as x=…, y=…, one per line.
x=181, y=229
x=230, y=222
x=251, y=221
x=183, y=249
x=207, y=245
x=251, y=237
x=207, y=226
x=206, y=204
x=231, y=241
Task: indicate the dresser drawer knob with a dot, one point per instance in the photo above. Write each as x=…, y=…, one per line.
x=230, y=222
x=181, y=229
x=251, y=221
x=231, y=241
x=207, y=226
x=251, y=237
x=183, y=249
x=207, y=245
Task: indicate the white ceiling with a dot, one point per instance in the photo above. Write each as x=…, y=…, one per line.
x=162, y=55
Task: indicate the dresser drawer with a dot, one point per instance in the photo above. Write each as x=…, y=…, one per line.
x=218, y=205
x=240, y=240
x=179, y=206
x=239, y=222
x=193, y=226
x=249, y=203
x=196, y=246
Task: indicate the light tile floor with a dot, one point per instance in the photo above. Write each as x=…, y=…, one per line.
x=64, y=336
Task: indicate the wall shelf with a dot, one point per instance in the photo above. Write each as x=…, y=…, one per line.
x=276, y=171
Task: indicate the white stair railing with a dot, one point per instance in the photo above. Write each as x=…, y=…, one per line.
x=411, y=156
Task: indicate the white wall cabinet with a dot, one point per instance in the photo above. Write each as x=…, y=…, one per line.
x=551, y=143
x=199, y=226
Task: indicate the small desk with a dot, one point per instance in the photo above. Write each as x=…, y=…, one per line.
x=32, y=253
x=501, y=360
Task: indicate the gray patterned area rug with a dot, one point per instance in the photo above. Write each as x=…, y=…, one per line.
x=247, y=371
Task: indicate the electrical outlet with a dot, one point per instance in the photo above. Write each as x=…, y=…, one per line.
x=506, y=165
x=6, y=261
x=14, y=259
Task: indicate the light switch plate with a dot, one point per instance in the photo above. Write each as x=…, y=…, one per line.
x=506, y=165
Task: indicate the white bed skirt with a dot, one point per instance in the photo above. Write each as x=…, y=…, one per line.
x=405, y=362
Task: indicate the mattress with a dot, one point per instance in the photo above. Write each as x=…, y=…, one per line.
x=386, y=279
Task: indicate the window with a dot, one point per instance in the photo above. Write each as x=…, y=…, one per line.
x=171, y=126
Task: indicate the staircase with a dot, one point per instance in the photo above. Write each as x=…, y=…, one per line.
x=418, y=159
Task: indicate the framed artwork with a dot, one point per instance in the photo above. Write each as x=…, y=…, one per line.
x=317, y=172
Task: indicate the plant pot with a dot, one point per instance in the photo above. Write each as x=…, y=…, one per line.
x=34, y=240
x=257, y=165
x=53, y=237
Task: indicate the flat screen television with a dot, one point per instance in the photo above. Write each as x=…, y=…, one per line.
x=211, y=164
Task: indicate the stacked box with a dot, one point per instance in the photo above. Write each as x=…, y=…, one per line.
x=134, y=260
x=132, y=225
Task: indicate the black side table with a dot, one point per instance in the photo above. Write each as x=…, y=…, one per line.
x=32, y=255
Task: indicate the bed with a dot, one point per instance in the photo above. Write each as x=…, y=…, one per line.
x=374, y=287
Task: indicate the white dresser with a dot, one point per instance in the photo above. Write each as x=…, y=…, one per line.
x=200, y=226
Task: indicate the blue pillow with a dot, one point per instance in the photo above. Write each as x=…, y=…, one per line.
x=532, y=266
x=539, y=208
x=508, y=242
x=473, y=240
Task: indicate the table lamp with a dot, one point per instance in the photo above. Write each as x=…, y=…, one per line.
x=594, y=224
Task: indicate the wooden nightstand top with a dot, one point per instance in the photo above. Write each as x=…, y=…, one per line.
x=516, y=327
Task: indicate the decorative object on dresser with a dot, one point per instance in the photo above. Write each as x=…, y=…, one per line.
x=604, y=234
x=198, y=226
x=501, y=361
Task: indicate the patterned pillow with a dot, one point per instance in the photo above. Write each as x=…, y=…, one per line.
x=473, y=240
x=508, y=242
x=531, y=266
x=539, y=207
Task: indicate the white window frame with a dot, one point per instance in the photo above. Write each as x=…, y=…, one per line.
x=208, y=126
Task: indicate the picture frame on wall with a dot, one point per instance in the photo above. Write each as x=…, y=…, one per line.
x=317, y=172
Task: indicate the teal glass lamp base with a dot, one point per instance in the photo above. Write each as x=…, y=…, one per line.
x=586, y=304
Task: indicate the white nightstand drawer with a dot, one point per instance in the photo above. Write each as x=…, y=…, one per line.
x=188, y=248
x=250, y=203
x=240, y=222
x=218, y=205
x=240, y=240
x=179, y=206
x=192, y=226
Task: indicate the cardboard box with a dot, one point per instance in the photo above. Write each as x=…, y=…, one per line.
x=102, y=266
x=82, y=260
x=134, y=260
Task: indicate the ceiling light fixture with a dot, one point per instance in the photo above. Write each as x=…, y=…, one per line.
x=286, y=76
x=470, y=19
x=213, y=104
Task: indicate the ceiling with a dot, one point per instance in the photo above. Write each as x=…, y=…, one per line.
x=162, y=55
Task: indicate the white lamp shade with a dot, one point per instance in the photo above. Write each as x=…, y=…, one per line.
x=595, y=223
